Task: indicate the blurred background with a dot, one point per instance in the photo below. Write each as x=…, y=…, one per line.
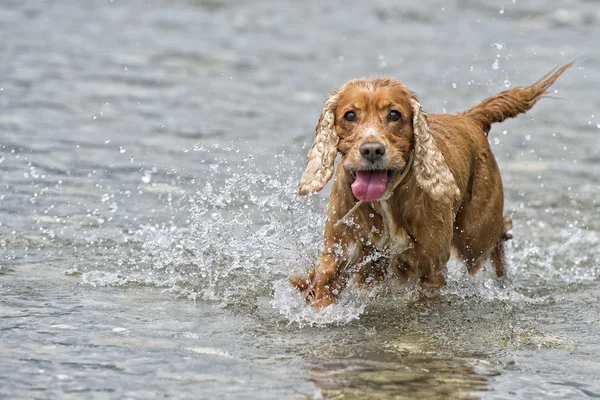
x=149, y=153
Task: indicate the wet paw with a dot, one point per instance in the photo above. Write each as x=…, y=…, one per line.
x=299, y=283
x=317, y=297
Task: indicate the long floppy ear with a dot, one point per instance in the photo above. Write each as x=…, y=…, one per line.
x=432, y=172
x=321, y=156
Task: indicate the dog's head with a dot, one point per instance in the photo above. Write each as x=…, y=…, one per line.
x=375, y=124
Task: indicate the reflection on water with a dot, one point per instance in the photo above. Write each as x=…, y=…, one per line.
x=425, y=379
x=149, y=219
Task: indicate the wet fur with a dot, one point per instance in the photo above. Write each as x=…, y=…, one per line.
x=451, y=199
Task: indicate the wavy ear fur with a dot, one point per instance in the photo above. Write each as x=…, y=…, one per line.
x=321, y=156
x=432, y=172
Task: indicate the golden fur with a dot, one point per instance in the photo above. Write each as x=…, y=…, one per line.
x=451, y=197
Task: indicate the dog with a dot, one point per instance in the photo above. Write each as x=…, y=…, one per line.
x=409, y=188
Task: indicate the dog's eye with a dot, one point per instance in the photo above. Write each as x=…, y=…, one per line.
x=394, y=115
x=350, y=116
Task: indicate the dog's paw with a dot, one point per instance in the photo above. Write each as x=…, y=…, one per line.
x=317, y=297
x=299, y=282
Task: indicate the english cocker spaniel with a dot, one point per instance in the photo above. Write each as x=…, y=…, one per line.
x=409, y=187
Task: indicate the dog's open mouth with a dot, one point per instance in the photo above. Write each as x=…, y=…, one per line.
x=370, y=185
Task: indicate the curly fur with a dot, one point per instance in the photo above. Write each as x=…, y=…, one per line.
x=321, y=156
x=432, y=172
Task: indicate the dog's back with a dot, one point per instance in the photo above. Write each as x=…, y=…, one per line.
x=480, y=228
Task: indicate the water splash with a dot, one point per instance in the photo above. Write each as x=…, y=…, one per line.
x=247, y=231
x=290, y=304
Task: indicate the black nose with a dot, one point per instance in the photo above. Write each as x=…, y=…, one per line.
x=372, y=151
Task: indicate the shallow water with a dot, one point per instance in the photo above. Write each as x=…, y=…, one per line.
x=149, y=154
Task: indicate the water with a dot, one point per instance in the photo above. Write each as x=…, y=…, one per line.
x=149, y=153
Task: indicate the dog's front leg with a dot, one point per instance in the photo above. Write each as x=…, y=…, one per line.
x=323, y=284
x=329, y=276
x=341, y=250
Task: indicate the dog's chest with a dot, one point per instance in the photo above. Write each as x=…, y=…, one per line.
x=394, y=238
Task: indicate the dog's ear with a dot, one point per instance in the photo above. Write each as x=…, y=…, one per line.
x=321, y=156
x=432, y=172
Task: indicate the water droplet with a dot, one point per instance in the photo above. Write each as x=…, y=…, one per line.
x=107, y=141
x=506, y=83
x=94, y=116
x=453, y=85
x=147, y=177
x=496, y=64
x=122, y=149
x=2, y=154
x=131, y=159
x=498, y=45
x=113, y=207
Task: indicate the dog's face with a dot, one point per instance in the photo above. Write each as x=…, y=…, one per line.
x=373, y=121
x=375, y=124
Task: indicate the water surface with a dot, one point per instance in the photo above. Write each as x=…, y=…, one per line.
x=149, y=154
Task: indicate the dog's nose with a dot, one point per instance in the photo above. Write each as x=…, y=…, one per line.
x=372, y=151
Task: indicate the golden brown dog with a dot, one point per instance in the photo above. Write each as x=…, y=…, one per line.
x=427, y=184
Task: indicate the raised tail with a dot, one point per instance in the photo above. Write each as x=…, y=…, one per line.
x=512, y=102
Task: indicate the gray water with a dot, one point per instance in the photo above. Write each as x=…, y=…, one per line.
x=149, y=153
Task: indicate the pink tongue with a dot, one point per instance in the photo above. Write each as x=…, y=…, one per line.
x=369, y=185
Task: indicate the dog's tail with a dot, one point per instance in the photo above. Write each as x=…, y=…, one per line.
x=512, y=102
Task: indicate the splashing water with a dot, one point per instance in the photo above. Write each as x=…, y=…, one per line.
x=248, y=231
